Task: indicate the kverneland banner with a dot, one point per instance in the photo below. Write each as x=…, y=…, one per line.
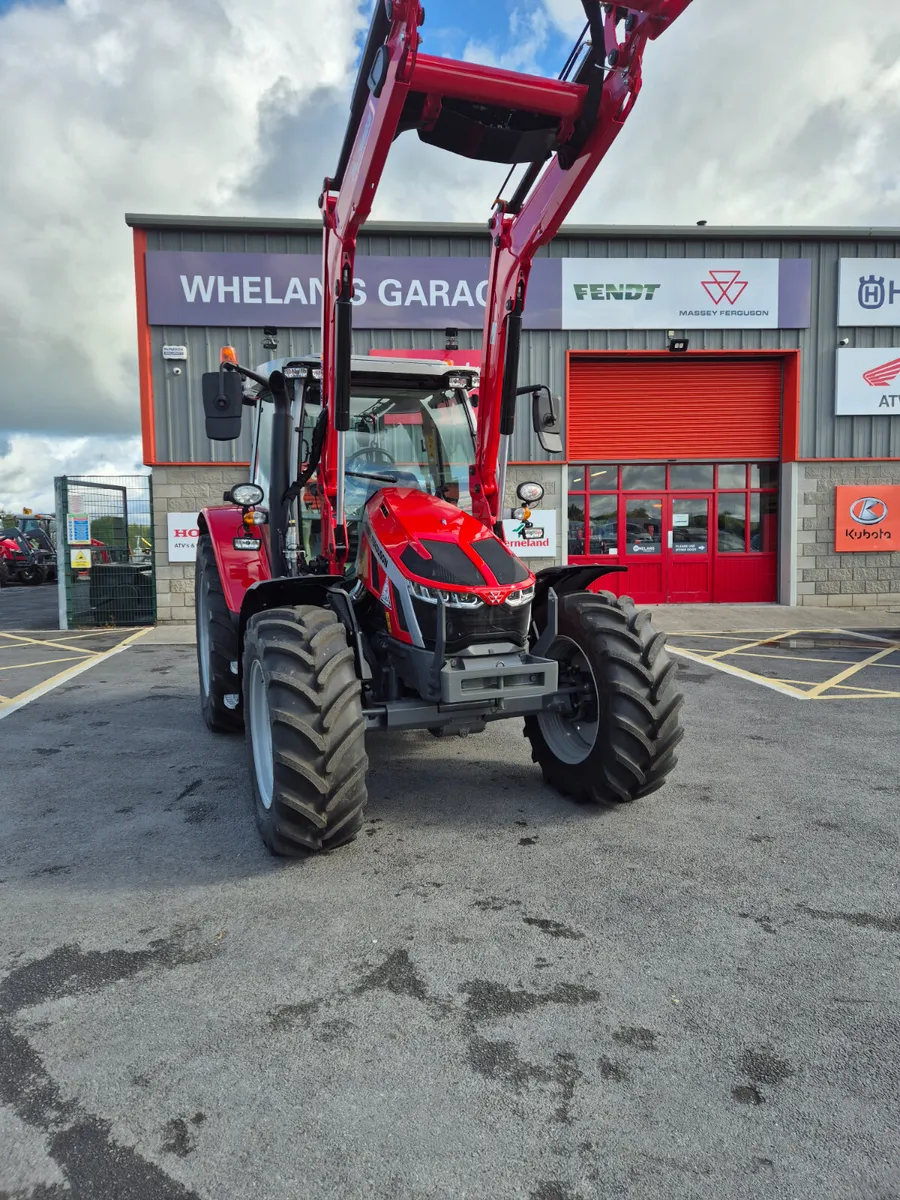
x=285, y=290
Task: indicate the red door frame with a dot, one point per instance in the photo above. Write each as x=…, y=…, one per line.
x=675, y=561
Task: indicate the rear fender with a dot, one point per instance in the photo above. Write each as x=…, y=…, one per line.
x=239, y=570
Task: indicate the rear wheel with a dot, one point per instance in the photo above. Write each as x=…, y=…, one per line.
x=305, y=730
x=217, y=645
x=616, y=739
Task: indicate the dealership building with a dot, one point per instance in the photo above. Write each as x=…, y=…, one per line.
x=730, y=396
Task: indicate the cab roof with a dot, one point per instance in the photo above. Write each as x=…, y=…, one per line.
x=363, y=365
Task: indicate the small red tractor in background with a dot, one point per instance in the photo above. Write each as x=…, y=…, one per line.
x=360, y=581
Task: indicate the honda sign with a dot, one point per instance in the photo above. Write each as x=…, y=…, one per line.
x=868, y=383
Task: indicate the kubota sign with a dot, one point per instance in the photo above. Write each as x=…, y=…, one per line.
x=867, y=518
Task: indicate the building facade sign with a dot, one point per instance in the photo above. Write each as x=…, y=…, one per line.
x=685, y=293
x=867, y=518
x=183, y=536
x=196, y=288
x=868, y=383
x=869, y=292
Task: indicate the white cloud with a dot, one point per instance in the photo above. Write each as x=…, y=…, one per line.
x=29, y=464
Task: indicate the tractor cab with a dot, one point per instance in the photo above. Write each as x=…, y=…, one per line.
x=412, y=428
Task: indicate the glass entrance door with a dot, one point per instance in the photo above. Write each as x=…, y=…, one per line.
x=689, y=552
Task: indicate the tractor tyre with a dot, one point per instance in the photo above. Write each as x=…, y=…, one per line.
x=217, y=644
x=616, y=741
x=33, y=575
x=305, y=730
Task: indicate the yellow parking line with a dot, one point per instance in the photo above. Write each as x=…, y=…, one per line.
x=54, y=681
x=870, y=696
x=797, y=658
x=759, y=642
x=850, y=671
x=718, y=665
x=46, y=662
x=29, y=641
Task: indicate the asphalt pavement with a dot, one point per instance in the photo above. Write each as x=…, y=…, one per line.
x=492, y=993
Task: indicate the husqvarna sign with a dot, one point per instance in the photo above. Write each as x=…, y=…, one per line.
x=869, y=292
x=868, y=383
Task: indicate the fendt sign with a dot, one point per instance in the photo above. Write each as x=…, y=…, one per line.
x=186, y=288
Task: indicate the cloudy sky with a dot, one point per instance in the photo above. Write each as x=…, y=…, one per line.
x=758, y=111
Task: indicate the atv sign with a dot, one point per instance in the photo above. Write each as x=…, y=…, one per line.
x=868, y=383
x=183, y=536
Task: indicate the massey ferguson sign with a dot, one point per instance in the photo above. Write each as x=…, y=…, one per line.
x=685, y=293
x=189, y=287
x=868, y=383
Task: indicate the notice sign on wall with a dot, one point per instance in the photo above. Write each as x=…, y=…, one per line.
x=868, y=383
x=537, y=542
x=183, y=536
x=867, y=518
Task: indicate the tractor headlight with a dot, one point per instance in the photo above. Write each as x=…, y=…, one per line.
x=531, y=493
x=522, y=596
x=450, y=599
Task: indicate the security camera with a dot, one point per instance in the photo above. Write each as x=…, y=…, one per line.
x=176, y=370
x=844, y=342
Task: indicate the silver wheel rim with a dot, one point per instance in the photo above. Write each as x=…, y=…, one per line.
x=203, y=645
x=571, y=738
x=261, y=734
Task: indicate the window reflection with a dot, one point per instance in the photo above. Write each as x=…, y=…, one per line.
x=696, y=477
x=732, y=536
x=576, y=525
x=764, y=521
x=650, y=477
x=576, y=479
x=643, y=526
x=732, y=475
x=604, y=533
x=764, y=475
x=603, y=477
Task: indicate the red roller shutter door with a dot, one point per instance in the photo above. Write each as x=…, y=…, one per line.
x=673, y=408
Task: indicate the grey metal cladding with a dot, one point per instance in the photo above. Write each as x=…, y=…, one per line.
x=179, y=410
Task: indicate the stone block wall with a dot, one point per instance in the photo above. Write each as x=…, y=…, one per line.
x=846, y=580
x=182, y=489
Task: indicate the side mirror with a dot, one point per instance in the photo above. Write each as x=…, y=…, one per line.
x=545, y=417
x=223, y=403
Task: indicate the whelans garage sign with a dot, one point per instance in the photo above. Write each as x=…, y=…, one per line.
x=867, y=518
x=285, y=290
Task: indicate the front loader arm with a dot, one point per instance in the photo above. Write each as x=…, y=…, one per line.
x=560, y=129
x=534, y=216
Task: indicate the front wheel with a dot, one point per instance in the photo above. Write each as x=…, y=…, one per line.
x=615, y=739
x=33, y=575
x=305, y=730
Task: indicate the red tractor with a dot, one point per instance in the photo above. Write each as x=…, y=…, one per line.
x=360, y=581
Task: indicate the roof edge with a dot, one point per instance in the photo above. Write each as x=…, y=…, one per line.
x=463, y=229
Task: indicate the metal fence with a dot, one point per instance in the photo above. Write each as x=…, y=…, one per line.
x=105, y=550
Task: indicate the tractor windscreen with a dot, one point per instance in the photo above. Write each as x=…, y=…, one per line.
x=416, y=438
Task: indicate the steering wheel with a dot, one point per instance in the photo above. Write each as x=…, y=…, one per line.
x=373, y=456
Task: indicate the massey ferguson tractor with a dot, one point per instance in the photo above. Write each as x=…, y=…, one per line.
x=360, y=581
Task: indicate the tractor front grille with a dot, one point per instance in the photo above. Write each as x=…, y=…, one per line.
x=474, y=626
